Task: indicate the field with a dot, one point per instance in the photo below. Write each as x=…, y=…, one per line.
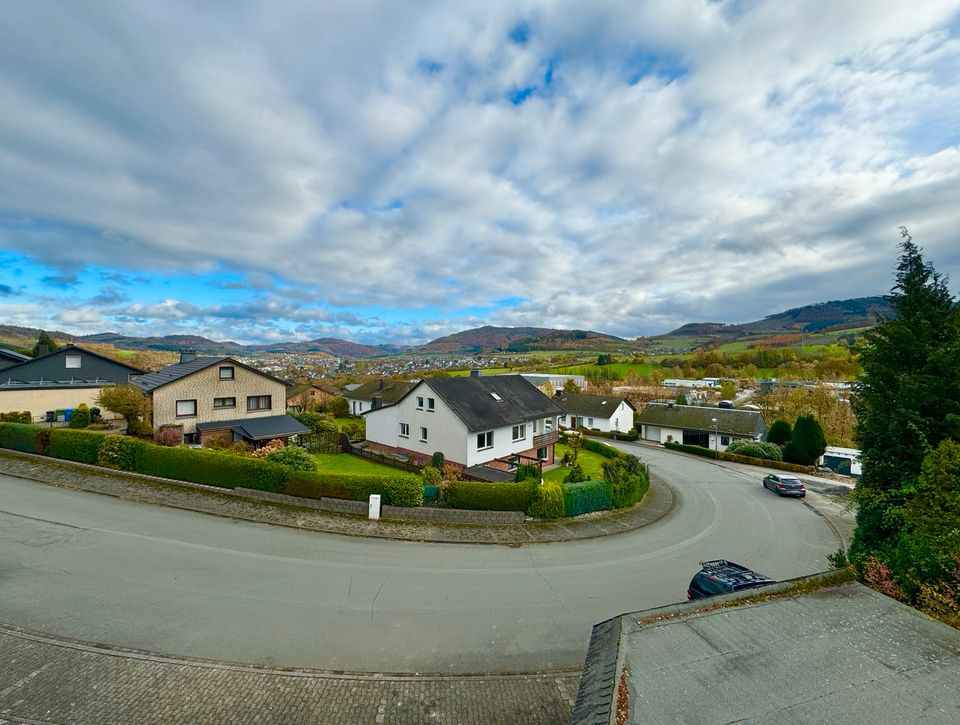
x=346, y=463
x=590, y=463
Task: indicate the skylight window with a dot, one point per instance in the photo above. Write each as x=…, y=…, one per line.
x=496, y=397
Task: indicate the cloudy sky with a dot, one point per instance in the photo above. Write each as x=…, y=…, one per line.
x=394, y=171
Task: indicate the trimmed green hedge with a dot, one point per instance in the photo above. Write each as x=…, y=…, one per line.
x=695, y=450
x=122, y=452
x=483, y=496
x=547, y=501
x=733, y=457
x=602, y=449
x=212, y=468
x=20, y=437
x=615, y=435
x=394, y=490
x=81, y=446
x=630, y=490
x=586, y=496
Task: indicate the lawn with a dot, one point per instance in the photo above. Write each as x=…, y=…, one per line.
x=346, y=463
x=590, y=463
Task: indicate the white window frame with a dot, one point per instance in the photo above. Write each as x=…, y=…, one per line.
x=431, y=405
x=424, y=434
x=73, y=358
x=547, y=424
x=192, y=402
x=536, y=426
x=419, y=402
x=589, y=422
x=519, y=432
x=404, y=430
x=487, y=442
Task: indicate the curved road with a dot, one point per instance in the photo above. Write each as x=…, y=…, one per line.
x=111, y=571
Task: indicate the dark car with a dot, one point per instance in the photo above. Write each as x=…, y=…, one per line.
x=784, y=485
x=723, y=577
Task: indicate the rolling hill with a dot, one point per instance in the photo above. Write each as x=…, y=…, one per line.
x=519, y=339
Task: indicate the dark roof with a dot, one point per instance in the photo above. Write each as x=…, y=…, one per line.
x=695, y=417
x=52, y=367
x=597, y=406
x=472, y=400
x=389, y=390
x=171, y=373
x=271, y=426
x=299, y=388
x=11, y=384
x=11, y=357
x=488, y=474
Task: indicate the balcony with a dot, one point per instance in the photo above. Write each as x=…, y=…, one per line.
x=545, y=439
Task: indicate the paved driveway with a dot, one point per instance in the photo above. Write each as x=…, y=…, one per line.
x=105, y=570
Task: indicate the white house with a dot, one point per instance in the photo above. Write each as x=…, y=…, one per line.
x=599, y=412
x=376, y=394
x=713, y=428
x=842, y=460
x=556, y=380
x=682, y=383
x=473, y=421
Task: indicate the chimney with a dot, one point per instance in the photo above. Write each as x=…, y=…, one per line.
x=187, y=355
x=376, y=402
x=475, y=373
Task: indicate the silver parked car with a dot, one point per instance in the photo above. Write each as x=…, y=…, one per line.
x=785, y=485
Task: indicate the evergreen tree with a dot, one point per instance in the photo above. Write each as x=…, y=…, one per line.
x=44, y=340
x=779, y=433
x=807, y=442
x=907, y=398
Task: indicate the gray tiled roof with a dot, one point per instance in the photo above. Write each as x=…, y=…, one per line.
x=390, y=391
x=271, y=426
x=596, y=406
x=694, y=417
x=171, y=373
x=473, y=402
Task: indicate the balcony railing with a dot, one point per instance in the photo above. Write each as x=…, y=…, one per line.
x=545, y=439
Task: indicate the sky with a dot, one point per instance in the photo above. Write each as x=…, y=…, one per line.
x=391, y=172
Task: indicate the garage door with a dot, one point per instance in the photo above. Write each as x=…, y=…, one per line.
x=651, y=433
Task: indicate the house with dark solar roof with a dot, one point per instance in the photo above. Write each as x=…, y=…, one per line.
x=478, y=423
x=219, y=396
x=598, y=412
x=713, y=428
x=50, y=384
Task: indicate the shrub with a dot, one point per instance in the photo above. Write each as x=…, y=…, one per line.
x=339, y=406
x=696, y=450
x=755, y=449
x=431, y=476
x=437, y=459
x=80, y=418
x=575, y=475
x=23, y=416
x=586, y=496
x=316, y=422
x=218, y=442
x=169, y=435
x=20, y=437
x=293, y=457
x=121, y=452
x=779, y=433
x=395, y=491
x=451, y=472
x=628, y=479
x=82, y=446
x=212, y=468
x=631, y=435
x=527, y=471
x=271, y=446
x=547, y=501
x=483, y=496
x=601, y=448
x=807, y=443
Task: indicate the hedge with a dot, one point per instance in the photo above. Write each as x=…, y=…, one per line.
x=483, y=496
x=695, y=450
x=601, y=448
x=586, y=496
x=547, y=501
x=20, y=437
x=122, y=452
x=211, y=468
x=733, y=457
x=75, y=445
x=630, y=490
x=394, y=490
x=615, y=435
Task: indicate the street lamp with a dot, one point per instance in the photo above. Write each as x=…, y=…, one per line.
x=714, y=420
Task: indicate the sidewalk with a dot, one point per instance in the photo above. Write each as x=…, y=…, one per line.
x=223, y=502
x=47, y=679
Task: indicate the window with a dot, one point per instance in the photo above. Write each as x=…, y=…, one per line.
x=496, y=397
x=186, y=408
x=519, y=432
x=485, y=440
x=724, y=440
x=548, y=424
x=224, y=402
x=419, y=403
x=431, y=404
x=404, y=430
x=226, y=372
x=542, y=453
x=590, y=422
x=423, y=434
x=259, y=402
x=72, y=361
x=536, y=426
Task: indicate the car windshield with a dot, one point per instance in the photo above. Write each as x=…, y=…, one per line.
x=789, y=479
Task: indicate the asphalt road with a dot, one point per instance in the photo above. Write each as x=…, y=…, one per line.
x=95, y=568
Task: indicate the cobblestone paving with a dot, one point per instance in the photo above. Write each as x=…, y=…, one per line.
x=49, y=680
x=145, y=489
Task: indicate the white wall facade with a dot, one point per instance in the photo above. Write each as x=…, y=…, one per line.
x=621, y=419
x=662, y=434
x=39, y=400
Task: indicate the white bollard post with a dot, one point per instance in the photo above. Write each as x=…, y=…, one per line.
x=373, y=510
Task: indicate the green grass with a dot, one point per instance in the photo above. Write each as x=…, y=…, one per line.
x=590, y=463
x=347, y=421
x=346, y=463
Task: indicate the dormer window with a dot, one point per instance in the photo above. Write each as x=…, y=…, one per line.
x=72, y=362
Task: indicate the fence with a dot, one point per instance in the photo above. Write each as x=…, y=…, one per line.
x=387, y=460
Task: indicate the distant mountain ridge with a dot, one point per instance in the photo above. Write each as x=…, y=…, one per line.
x=517, y=339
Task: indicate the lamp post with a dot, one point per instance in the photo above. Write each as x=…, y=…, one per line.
x=714, y=420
